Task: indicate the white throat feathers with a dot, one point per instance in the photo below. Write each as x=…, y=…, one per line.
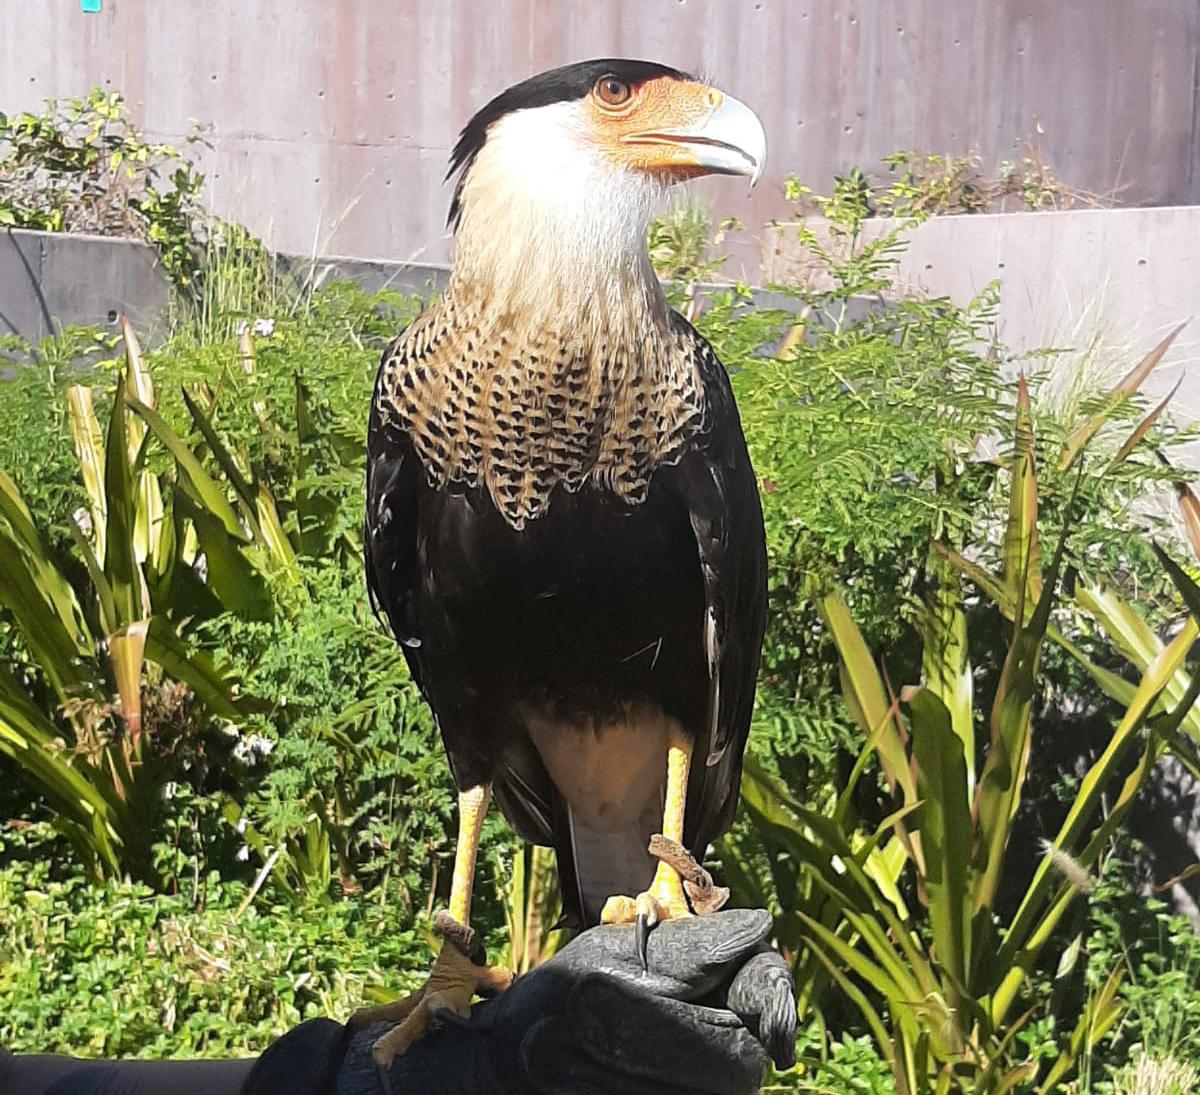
x=553, y=230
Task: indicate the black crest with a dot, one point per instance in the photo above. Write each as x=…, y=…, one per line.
x=556, y=86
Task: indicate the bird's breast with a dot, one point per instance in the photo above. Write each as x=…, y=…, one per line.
x=592, y=606
x=524, y=414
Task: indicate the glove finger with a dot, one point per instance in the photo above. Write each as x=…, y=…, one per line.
x=763, y=995
x=664, y=1043
x=687, y=958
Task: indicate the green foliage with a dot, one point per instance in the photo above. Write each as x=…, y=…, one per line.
x=106, y=700
x=876, y=429
x=117, y=970
x=681, y=247
x=351, y=775
x=81, y=166
x=921, y=184
x=905, y=911
x=306, y=834
x=255, y=446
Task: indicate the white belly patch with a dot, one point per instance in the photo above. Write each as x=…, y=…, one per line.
x=610, y=772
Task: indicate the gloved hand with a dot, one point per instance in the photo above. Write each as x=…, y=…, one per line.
x=703, y=1018
x=705, y=1015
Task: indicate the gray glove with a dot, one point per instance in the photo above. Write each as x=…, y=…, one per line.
x=705, y=1016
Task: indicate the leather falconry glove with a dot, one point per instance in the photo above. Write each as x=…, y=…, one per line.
x=714, y=1004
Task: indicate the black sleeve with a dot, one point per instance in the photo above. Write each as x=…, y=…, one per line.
x=305, y=1061
x=48, y=1074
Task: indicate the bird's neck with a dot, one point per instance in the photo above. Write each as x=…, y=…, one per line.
x=559, y=253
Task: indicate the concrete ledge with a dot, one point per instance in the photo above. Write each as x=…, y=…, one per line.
x=1129, y=274
x=49, y=280
x=1126, y=276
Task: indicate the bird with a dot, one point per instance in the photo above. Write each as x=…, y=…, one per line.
x=563, y=527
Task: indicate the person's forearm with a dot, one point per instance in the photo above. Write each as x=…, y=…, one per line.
x=47, y=1074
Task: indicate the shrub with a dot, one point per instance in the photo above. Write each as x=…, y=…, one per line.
x=117, y=970
x=81, y=166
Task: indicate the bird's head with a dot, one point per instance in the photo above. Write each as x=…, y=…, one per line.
x=560, y=175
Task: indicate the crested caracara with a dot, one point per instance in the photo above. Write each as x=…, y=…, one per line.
x=562, y=524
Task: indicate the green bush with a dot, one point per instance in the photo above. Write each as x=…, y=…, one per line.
x=81, y=166
x=117, y=970
x=875, y=431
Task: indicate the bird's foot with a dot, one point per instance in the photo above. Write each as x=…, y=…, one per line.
x=459, y=974
x=680, y=886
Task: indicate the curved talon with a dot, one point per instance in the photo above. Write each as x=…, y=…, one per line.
x=459, y=973
x=641, y=937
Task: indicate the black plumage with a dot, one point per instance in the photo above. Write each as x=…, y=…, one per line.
x=595, y=603
x=584, y=560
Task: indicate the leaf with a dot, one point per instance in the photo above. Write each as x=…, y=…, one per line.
x=271, y=532
x=1135, y=640
x=137, y=377
x=120, y=562
x=31, y=740
x=1188, y=589
x=945, y=666
x=127, y=649
x=195, y=668
x=1144, y=427
x=1022, y=567
x=89, y=450
x=946, y=832
x=1189, y=506
x=59, y=653
x=209, y=492
x=1003, y=775
x=1100, y=1013
x=104, y=595
x=1020, y=941
x=237, y=582
x=49, y=581
x=1127, y=387
x=865, y=693
x=242, y=487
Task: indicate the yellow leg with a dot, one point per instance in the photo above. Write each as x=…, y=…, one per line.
x=455, y=978
x=667, y=887
x=472, y=808
x=665, y=899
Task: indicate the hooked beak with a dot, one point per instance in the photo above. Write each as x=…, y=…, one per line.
x=729, y=141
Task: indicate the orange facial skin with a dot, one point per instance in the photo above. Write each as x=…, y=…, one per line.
x=648, y=129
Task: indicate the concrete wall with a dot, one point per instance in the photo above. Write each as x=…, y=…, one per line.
x=332, y=121
x=1126, y=276
x=49, y=280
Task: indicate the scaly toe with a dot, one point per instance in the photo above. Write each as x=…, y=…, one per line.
x=619, y=910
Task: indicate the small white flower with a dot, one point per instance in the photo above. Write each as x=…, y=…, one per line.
x=170, y=789
x=264, y=328
x=242, y=854
x=84, y=520
x=258, y=744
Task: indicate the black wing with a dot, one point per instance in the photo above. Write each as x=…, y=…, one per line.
x=717, y=484
x=390, y=528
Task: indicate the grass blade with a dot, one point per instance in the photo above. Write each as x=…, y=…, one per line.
x=1127, y=387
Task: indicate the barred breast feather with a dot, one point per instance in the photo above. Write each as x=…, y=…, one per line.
x=522, y=411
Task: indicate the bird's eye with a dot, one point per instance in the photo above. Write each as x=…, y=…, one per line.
x=612, y=91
